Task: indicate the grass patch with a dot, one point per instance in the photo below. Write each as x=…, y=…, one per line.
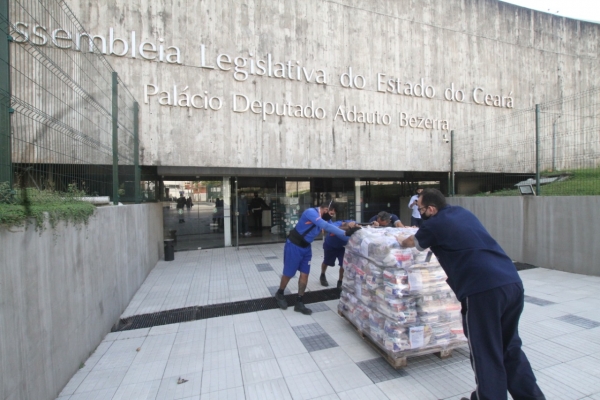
x=19, y=205
x=580, y=182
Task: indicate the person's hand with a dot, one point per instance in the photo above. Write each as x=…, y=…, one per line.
x=375, y=223
x=406, y=241
x=351, y=231
x=401, y=238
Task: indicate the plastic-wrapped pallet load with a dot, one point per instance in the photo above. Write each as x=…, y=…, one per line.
x=397, y=298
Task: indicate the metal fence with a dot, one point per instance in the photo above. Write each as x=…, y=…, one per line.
x=550, y=149
x=68, y=121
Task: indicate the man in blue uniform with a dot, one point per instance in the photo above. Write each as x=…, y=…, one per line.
x=334, y=248
x=384, y=218
x=490, y=290
x=297, y=252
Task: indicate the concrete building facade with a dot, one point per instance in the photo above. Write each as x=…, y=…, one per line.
x=259, y=95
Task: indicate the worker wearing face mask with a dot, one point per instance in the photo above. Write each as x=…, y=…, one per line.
x=297, y=252
x=491, y=293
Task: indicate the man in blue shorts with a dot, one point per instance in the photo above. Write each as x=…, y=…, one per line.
x=297, y=252
x=491, y=293
x=384, y=219
x=334, y=248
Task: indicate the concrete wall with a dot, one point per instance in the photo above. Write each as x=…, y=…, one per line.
x=504, y=50
x=552, y=232
x=62, y=290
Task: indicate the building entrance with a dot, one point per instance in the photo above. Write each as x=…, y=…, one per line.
x=197, y=221
x=241, y=211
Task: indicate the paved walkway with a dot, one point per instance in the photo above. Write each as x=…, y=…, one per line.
x=278, y=354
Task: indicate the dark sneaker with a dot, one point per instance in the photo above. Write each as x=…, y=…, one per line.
x=323, y=280
x=281, y=301
x=300, y=307
x=339, y=285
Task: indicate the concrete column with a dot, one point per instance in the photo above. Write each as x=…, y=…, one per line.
x=226, y=190
x=358, y=200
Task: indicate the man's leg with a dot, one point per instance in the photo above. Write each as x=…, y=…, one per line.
x=482, y=313
x=279, y=297
x=304, y=268
x=340, y=258
x=260, y=220
x=521, y=379
x=300, y=307
x=329, y=256
x=290, y=266
x=322, y=278
x=284, y=282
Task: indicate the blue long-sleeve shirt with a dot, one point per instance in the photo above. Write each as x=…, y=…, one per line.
x=334, y=241
x=310, y=218
x=472, y=259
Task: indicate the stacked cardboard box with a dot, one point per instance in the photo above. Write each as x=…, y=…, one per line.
x=396, y=297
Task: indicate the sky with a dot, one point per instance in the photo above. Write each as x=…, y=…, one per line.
x=586, y=10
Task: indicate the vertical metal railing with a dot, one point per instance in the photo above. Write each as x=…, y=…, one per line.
x=537, y=149
x=115, y=137
x=136, y=151
x=75, y=123
x=5, y=109
x=554, y=147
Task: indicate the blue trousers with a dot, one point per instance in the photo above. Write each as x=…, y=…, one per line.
x=490, y=322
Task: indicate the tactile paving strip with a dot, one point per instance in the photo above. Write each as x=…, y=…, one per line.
x=379, y=370
x=579, y=321
x=537, y=301
x=264, y=267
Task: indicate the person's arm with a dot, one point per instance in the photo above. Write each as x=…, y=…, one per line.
x=412, y=202
x=373, y=221
x=327, y=227
x=396, y=221
x=406, y=241
x=410, y=241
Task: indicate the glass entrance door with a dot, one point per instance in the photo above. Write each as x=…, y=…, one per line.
x=255, y=200
x=197, y=222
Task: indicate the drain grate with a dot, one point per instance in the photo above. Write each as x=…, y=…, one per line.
x=217, y=310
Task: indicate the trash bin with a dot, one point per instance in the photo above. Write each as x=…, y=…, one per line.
x=169, y=249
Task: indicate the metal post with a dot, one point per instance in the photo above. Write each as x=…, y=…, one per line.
x=537, y=149
x=115, y=136
x=554, y=143
x=237, y=215
x=136, y=151
x=451, y=163
x=5, y=109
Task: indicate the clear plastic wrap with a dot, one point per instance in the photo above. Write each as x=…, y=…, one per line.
x=395, y=297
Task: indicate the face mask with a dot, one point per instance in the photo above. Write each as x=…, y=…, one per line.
x=326, y=217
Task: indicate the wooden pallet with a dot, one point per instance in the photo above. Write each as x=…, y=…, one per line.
x=398, y=362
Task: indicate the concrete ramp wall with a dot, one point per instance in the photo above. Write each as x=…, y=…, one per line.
x=552, y=232
x=62, y=290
